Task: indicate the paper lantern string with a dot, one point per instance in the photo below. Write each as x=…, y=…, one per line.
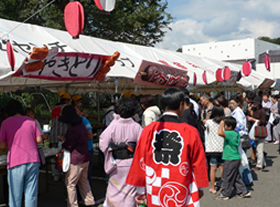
x=247, y=68
x=194, y=79
x=105, y=5
x=219, y=77
x=11, y=56
x=267, y=62
x=226, y=73
x=204, y=77
x=74, y=18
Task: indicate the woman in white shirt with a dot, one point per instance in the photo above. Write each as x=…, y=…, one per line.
x=152, y=112
x=215, y=144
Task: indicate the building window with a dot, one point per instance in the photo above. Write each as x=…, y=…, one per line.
x=228, y=56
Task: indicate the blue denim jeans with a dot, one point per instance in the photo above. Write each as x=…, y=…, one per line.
x=90, y=169
x=23, y=178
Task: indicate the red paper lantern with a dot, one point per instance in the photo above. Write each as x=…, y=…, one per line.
x=246, y=68
x=204, y=77
x=226, y=73
x=105, y=5
x=11, y=56
x=219, y=77
x=267, y=62
x=194, y=79
x=74, y=18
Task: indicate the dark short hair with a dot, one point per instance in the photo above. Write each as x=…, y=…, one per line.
x=187, y=100
x=240, y=96
x=191, y=107
x=251, y=95
x=230, y=121
x=116, y=104
x=235, y=98
x=27, y=110
x=14, y=107
x=217, y=113
x=63, y=100
x=266, y=93
x=126, y=107
x=275, y=96
x=222, y=101
x=171, y=99
x=147, y=101
x=185, y=91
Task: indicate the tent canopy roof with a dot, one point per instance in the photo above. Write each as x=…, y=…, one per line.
x=26, y=36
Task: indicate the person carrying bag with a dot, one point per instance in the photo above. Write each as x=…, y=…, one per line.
x=257, y=132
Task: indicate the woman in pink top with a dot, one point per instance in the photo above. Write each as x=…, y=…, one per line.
x=21, y=135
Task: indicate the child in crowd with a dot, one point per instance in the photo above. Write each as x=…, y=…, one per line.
x=231, y=159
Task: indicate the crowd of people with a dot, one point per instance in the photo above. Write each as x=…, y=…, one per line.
x=169, y=156
x=22, y=134
x=149, y=151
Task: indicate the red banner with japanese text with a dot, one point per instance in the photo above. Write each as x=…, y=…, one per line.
x=64, y=66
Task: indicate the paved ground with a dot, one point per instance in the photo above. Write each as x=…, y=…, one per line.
x=265, y=191
x=266, y=188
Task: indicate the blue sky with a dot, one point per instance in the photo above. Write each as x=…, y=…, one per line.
x=201, y=21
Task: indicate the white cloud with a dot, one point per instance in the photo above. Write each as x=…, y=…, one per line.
x=202, y=21
x=185, y=31
x=259, y=28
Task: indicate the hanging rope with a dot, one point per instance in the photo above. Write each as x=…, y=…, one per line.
x=28, y=18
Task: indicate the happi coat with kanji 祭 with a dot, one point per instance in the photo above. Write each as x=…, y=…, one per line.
x=170, y=163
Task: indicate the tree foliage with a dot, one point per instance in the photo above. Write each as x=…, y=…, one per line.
x=179, y=50
x=267, y=39
x=141, y=22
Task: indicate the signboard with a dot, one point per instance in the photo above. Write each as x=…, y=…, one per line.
x=266, y=84
x=277, y=85
x=154, y=74
x=64, y=66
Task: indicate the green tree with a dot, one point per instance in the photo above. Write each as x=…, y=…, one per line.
x=267, y=39
x=179, y=50
x=132, y=21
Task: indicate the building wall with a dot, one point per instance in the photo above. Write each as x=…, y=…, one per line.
x=230, y=50
x=274, y=70
x=262, y=46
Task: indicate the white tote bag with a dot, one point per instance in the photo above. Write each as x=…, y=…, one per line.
x=66, y=160
x=252, y=131
x=271, y=118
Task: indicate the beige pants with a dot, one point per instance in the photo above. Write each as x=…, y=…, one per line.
x=77, y=175
x=260, y=156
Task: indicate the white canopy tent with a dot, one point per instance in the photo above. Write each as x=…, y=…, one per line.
x=24, y=37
